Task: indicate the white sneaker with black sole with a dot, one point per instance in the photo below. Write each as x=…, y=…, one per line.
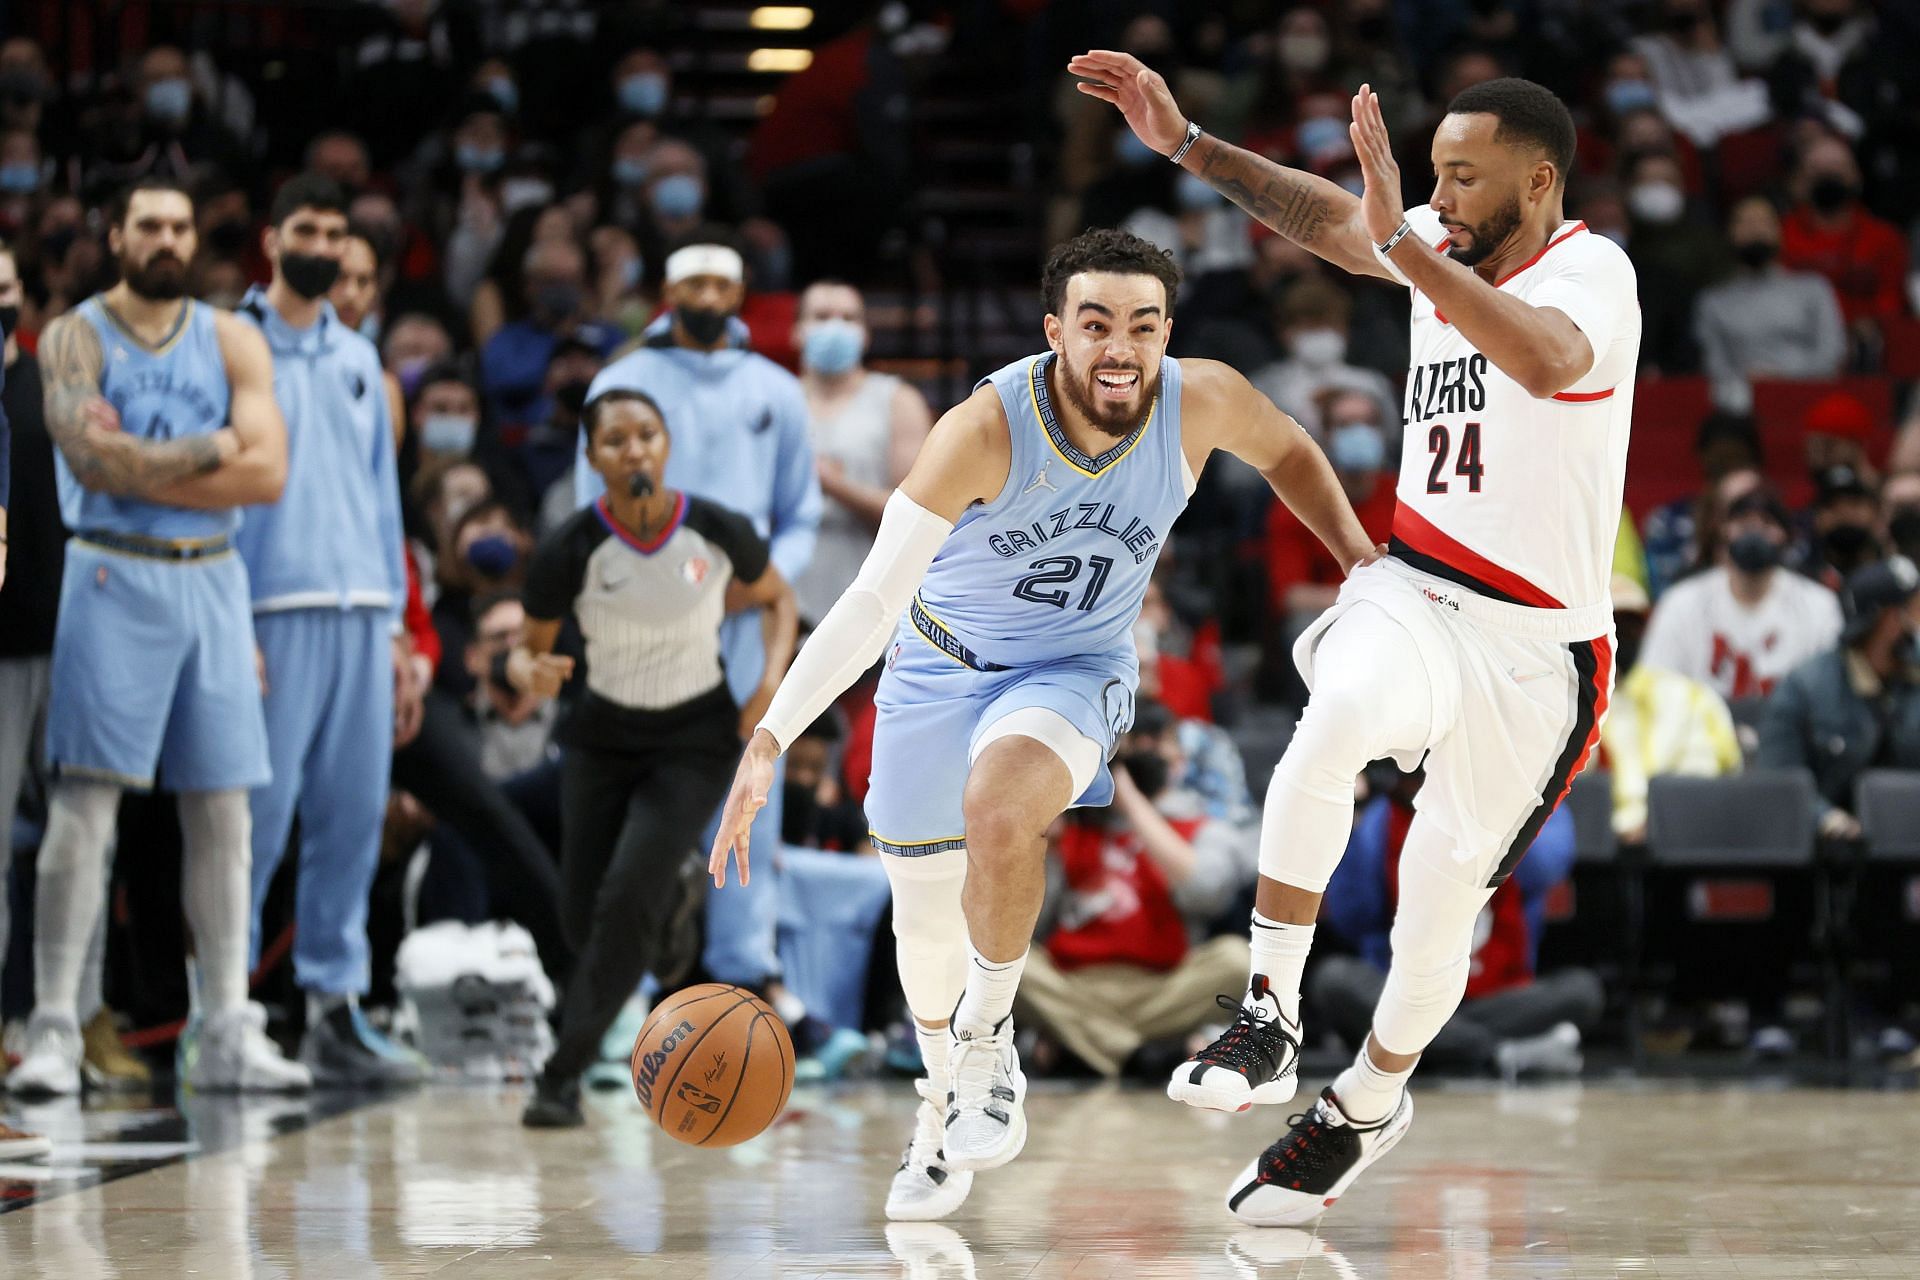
x=1299, y=1177
x=1252, y=1062
x=924, y=1188
x=235, y=1055
x=50, y=1065
x=986, y=1123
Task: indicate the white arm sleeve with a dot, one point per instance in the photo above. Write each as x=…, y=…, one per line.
x=855, y=630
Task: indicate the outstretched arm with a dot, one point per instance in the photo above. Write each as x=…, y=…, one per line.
x=258, y=472
x=1319, y=216
x=965, y=461
x=86, y=428
x=1225, y=411
x=1539, y=347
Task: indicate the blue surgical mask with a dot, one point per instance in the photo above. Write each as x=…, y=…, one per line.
x=1194, y=193
x=1132, y=152
x=1359, y=446
x=1624, y=96
x=169, y=100
x=494, y=555
x=644, y=93
x=19, y=179
x=478, y=159
x=1322, y=133
x=448, y=433
x=629, y=172
x=833, y=346
x=504, y=92
x=678, y=196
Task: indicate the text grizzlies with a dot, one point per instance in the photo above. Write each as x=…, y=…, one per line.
x=1137, y=536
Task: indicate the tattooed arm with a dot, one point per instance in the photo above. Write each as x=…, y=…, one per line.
x=257, y=472
x=1315, y=214
x=87, y=430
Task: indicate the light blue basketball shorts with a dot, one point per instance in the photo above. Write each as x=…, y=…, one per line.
x=153, y=673
x=934, y=705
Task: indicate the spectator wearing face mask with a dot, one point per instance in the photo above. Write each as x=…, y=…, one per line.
x=1740, y=626
x=1120, y=969
x=1830, y=232
x=445, y=414
x=1312, y=323
x=1302, y=574
x=1725, y=443
x=1659, y=721
x=1847, y=525
x=866, y=429
x=514, y=362
x=543, y=453
x=1902, y=498
x=1767, y=321
x=1675, y=256
x=674, y=198
x=466, y=167
x=642, y=84
x=1856, y=706
x=486, y=554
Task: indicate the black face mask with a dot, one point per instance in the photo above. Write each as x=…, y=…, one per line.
x=571, y=396
x=1148, y=770
x=1831, y=195
x=228, y=239
x=1849, y=544
x=1904, y=526
x=1753, y=553
x=1756, y=253
x=309, y=275
x=703, y=326
x=9, y=321
x=54, y=245
x=1826, y=23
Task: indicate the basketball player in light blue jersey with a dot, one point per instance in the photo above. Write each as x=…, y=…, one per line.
x=164, y=415
x=1015, y=557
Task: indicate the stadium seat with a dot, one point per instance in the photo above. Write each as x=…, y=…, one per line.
x=1881, y=936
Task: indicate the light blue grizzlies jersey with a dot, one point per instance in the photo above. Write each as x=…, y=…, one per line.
x=177, y=389
x=1057, y=565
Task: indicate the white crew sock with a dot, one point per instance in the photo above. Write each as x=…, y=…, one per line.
x=988, y=999
x=1367, y=1092
x=1280, y=955
x=933, y=1051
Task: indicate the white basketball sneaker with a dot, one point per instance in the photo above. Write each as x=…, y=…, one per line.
x=50, y=1067
x=1252, y=1061
x=986, y=1123
x=924, y=1186
x=235, y=1056
x=1300, y=1176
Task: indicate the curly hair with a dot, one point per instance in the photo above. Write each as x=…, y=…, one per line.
x=1529, y=115
x=1105, y=249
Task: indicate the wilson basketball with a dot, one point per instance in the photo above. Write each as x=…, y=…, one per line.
x=713, y=1066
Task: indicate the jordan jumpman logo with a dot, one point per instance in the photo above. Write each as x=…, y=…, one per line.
x=1040, y=481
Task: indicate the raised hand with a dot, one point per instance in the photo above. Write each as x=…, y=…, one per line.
x=1380, y=203
x=1142, y=96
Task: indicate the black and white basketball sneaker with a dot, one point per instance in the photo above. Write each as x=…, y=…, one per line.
x=1299, y=1177
x=986, y=1123
x=923, y=1187
x=1253, y=1060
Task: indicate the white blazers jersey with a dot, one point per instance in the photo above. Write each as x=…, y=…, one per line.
x=1513, y=496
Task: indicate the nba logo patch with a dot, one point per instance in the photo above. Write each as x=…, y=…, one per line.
x=694, y=570
x=893, y=657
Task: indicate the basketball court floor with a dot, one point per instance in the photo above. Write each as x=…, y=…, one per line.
x=1568, y=1182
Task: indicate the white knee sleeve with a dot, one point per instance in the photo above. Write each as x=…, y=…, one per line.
x=216, y=889
x=1433, y=931
x=930, y=930
x=1081, y=754
x=71, y=889
x=1370, y=700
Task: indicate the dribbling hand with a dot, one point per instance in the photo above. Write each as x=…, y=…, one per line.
x=748, y=796
x=1142, y=96
x=1380, y=202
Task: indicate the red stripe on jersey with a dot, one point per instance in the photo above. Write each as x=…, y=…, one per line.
x=1583, y=397
x=1574, y=230
x=1413, y=529
x=644, y=546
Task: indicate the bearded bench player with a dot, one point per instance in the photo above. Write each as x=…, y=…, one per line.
x=1030, y=525
x=1484, y=640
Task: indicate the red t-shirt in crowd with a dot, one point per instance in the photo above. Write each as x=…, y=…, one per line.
x=1865, y=260
x=1296, y=556
x=1118, y=908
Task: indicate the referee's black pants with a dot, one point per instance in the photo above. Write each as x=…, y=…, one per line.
x=627, y=823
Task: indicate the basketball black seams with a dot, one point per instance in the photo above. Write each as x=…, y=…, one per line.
x=739, y=1076
x=672, y=1082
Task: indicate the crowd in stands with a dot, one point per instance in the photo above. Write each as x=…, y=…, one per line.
x=517, y=177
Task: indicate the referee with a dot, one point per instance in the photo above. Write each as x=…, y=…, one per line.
x=649, y=573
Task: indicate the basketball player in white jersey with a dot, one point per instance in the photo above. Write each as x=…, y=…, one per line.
x=1483, y=642
x=1018, y=548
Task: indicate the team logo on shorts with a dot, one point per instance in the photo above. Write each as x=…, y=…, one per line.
x=1116, y=703
x=694, y=569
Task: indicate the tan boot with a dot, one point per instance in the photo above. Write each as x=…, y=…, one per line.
x=107, y=1062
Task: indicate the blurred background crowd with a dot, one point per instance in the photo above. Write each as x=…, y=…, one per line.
x=892, y=175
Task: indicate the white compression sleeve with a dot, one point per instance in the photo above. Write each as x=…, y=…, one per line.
x=855, y=630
